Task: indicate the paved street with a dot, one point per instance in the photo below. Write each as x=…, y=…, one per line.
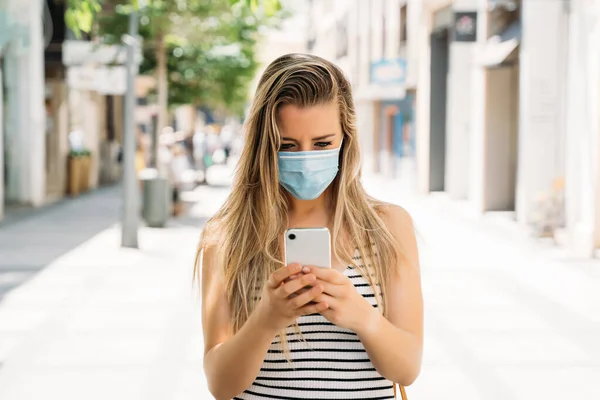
x=31, y=240
x=505, y=318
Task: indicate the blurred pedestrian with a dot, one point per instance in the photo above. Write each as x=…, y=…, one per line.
x=178, y=167
x=275, y=331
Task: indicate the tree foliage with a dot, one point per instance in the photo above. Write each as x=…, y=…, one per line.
x=210, y=44
x=79, y=15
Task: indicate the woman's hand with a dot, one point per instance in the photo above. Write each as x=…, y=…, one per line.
x=283, y=300
x=346, y=307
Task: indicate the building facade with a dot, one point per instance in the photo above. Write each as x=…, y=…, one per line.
x=507, y=112
x=495, y=102
x=22, y=132
x=369, y=40
x=43, y=97
x=582, y=147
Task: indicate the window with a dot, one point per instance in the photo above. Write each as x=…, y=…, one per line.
x=110, y=118
x=403, y=28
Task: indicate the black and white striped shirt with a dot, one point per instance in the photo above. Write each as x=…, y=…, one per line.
x=331, y=363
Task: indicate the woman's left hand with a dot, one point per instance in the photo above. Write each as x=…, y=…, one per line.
x=347, y=308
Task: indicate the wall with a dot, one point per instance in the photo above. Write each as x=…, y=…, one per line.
x=543, y=51
x=291, y=38
x=478, y=85
x=459, y=111
x=583, y=114
x=25, y=117
x=365, y=113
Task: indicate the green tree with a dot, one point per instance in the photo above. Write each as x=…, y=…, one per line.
x=204, y=51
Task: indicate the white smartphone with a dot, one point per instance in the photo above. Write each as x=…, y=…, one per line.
x=308, y=246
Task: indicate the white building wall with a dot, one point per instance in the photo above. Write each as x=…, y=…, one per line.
x=368, y=42
x=476, y=142
x=376, y=18
x=25, y=125
x=459, y=111
x=415, y=25
x=541, y=75
x=583, y=118
x=291, y=38
x=364, y=106
x=391, y=13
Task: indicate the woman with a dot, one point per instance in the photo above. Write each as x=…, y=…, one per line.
x=298, y=332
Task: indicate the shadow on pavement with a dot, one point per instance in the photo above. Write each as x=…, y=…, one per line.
x=32, y=239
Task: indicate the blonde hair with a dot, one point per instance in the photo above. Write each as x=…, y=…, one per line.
x=247, y=230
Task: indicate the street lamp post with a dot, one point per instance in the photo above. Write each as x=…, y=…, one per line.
x=129, y=237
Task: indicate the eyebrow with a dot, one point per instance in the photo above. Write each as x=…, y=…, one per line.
x=314, y=139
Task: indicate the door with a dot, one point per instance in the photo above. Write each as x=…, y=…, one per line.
x=439, y=83
x=501, y=139
x=55, y=160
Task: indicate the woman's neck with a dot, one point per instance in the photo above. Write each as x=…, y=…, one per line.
x=308, y=213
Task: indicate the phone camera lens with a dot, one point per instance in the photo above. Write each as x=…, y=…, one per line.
x=292, y=236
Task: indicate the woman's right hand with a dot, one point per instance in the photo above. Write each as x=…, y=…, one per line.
x=283, y=300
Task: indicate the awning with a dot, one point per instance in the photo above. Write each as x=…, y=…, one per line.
x=499, y=47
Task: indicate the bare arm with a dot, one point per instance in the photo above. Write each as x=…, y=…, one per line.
x=232, y=362
x=395, y=344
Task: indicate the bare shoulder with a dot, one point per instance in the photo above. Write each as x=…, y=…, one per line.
x=397, y=219
x=209, y=258
x=401, y=226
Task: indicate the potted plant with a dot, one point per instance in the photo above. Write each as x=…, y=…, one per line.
x=86, y=159
x=74, y=163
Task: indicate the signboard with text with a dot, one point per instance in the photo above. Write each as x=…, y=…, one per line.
x=104, y=80
x=389, y=71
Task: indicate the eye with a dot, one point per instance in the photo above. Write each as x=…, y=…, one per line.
x=323, y=144
x=286, y=146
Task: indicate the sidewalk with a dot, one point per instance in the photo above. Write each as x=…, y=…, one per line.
x=33, y=239
x=101, y=322
x=506, y=318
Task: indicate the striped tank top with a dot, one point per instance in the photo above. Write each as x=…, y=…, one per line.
x=330, y=363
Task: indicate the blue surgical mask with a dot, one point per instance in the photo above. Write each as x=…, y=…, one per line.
x=306, y=174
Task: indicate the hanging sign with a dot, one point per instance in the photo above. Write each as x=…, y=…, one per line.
x=465, y=26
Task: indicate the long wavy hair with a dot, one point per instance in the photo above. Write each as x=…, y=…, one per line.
x=247, y=230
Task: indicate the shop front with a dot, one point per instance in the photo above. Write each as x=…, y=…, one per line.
x=393, y=139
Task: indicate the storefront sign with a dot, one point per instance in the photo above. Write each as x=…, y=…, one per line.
x=465, y=26
x=389, y=71
x=104, y=80
x=79, y=52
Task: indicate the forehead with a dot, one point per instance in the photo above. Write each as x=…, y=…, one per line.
x=302, y=122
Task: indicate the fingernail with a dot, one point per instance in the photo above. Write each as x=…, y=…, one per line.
x=306, y=270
